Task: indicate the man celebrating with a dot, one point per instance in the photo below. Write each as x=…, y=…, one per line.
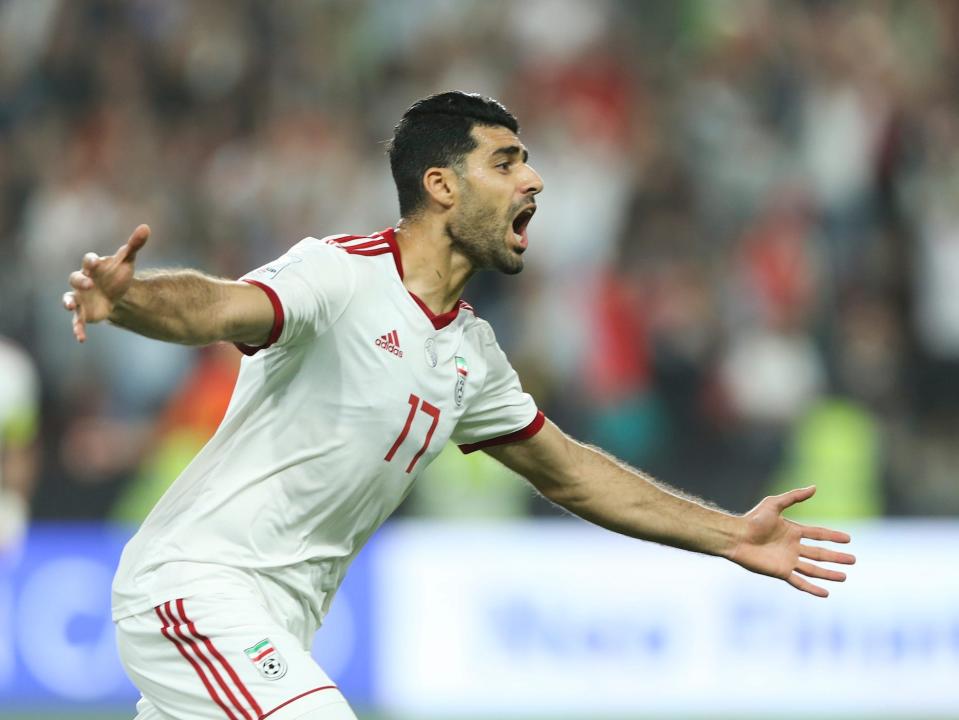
x=363, y=362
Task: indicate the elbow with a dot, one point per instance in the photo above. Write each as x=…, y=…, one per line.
x=566, y=483
x=564, y=486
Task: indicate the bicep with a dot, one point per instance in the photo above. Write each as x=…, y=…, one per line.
x=548, y=459
x=246, y=312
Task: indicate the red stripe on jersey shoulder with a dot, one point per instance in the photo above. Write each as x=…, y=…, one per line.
x=382, y=243
x=370, y=252
x=366, y=245
x=372, y=245
x=340, y=239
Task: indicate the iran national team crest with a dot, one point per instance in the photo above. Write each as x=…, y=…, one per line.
x=430, y=348
x=462, y=372
x=267, y=659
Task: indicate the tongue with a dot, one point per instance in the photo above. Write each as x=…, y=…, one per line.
x=524, y=239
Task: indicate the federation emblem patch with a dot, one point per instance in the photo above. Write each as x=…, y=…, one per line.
x=430, y=348
x=267, y=659
x=462, y=372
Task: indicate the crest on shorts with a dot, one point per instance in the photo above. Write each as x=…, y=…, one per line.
x=267, y=659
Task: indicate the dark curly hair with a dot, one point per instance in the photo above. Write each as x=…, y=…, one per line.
x=435, y=132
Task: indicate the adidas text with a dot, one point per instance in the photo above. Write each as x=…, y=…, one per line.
x=390, y=343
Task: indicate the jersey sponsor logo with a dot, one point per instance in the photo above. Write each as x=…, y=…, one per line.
x=431, y=356
x=271, y=270
x=389, y=342
x=462, y=372
x=267, y=659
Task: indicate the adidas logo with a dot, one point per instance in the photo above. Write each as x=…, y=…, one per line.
x=390, y=342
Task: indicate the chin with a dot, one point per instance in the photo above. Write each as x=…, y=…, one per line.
x=511, y=266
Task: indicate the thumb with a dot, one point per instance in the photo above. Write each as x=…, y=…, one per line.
x=128, y=252
x=788, y=499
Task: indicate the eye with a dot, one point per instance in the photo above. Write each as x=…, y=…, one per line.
x=504, y=166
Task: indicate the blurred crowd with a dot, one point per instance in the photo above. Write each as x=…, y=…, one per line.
x=743, y=276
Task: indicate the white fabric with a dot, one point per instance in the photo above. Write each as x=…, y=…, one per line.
x=333, y=711
x=296, y=479
x=198, y=657
x=315, y=282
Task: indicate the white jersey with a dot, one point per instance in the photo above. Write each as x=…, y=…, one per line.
x=358, y=388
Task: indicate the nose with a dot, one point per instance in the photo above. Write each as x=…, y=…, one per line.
x=533, y=184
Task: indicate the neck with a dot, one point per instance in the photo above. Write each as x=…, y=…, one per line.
x=432, y=270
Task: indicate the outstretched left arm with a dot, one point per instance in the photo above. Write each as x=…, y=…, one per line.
x=598, y=488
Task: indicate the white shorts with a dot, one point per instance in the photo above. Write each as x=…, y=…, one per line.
x=225, y=658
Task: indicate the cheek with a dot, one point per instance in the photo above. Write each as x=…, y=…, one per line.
x=483, y=215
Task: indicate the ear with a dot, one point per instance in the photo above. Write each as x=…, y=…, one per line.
x=441, y=186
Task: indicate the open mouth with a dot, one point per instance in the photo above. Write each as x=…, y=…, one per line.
x=520, y=222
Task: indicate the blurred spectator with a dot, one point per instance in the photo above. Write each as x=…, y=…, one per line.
x=747, y=239
x=836, y=447
x=19, y=420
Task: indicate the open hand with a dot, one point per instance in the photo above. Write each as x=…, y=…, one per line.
x=101, y=282
x=772, y=545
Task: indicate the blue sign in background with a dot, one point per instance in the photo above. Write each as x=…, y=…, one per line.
x=58, y=639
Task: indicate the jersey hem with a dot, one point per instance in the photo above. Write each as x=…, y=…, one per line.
x=122, y=610
x=119, y=611
x=278, y=319
x=523, y=434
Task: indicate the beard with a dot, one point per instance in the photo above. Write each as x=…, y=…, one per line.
x=480, y=235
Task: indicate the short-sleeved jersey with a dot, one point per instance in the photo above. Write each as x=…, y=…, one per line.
x=358, y=388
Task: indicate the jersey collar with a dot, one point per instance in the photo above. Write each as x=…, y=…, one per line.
x=439, y=321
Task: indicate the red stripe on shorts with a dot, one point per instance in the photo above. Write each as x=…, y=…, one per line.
x=216, y=653
x=193, y=645
x=294, y=699
x=199, y=671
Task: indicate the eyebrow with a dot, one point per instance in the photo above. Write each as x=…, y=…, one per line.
x=511, y=150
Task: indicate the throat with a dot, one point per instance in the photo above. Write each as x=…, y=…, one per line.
x=434, y=272
x=438, y=319
x=435, y=302
x=437, y=282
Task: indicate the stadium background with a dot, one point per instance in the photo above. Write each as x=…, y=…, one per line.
x=743, y=277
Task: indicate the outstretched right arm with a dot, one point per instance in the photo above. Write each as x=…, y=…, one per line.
x=182, y=306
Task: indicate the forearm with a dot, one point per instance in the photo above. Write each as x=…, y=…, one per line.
x=611, y=494
x=181, y=306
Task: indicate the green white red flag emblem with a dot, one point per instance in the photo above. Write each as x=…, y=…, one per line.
x=267, y=659
x=462, y=372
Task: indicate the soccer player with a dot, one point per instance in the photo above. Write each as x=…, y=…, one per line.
x=362, y=362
